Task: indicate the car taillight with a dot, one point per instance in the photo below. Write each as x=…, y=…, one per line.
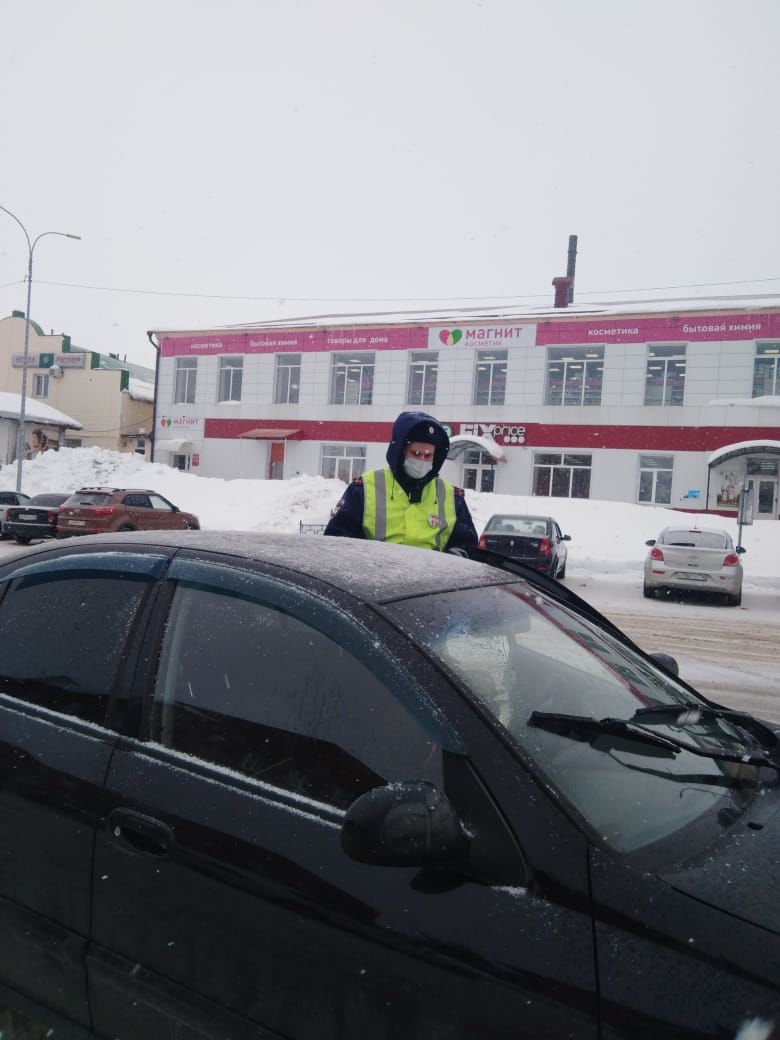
x=100, y=510
x=656, y=554
x=481, y=542
x=544, y=547
x=731, y=560
x=51, y=517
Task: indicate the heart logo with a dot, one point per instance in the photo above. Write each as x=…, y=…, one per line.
x=449, y=337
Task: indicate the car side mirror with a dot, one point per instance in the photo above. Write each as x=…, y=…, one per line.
x=740, y=549
x=407, y=824
x=650, y=541
x=567, y=538
x=666, y=661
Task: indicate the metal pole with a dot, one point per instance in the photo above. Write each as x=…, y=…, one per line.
x=23, y=403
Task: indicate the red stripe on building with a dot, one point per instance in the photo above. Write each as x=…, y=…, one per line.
x=537, y=435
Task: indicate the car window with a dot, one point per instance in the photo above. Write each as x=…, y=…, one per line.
x=137, y=501
x=62, y=637
x=696, y=539
x=518, y=651
x=88, y=498
x=158, y=502
x=247, y=685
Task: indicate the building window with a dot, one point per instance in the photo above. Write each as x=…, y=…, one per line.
x=766, y=372
x=140, y=446
x=655, y=479
x=288, y=378
x=181, y=462
x=665, y=380
x=185, y=377
x=41, y=386
x=352, y=379
x=423, y=371
x=574, y=375
x=344, y=461
x=479, y=470
x=490, y=377
x=231, y=371
x=561, y=475
x=72, y=442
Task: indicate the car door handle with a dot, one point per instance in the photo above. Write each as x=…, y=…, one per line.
x=140, y=833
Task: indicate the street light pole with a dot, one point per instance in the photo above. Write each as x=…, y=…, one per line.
x=22, y=407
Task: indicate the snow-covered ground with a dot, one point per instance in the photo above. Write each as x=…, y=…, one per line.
x=729, y=654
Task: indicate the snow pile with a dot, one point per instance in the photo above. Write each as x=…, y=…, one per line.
x=608, y=538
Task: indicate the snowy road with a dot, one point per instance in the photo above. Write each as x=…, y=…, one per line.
x=729, y=654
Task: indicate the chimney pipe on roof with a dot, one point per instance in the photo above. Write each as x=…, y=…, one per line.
x=571, y=265
x=562, y=285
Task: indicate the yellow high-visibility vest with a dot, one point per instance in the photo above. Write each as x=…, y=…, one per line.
x=389, y=516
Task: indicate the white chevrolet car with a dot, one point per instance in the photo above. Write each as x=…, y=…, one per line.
x=693, y=558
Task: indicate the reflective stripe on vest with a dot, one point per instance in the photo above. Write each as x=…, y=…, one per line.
x=389, y=516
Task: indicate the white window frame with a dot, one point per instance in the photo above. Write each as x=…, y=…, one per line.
x=490, y=372
x=352, y=378
x=582, y=366
x=423, y=376
x=185, y=380
x=655, y=466
x=41, y=384
x=343, y=461
x=231, y=373
x=287, y=379
x=564, y=469
x=662, y=356
x=764, y=352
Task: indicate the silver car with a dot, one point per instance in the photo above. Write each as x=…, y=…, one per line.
x=694, y=558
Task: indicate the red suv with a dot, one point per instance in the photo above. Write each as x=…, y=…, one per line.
x=96, y=510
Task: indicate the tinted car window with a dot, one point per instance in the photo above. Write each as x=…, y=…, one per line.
x=61, y=639
x=248, y=686
x=88, y=498
x=137, y=501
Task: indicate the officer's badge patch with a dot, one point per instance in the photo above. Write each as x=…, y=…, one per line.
x=434, y=521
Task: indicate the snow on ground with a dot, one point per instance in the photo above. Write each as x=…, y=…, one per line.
x=608, y=538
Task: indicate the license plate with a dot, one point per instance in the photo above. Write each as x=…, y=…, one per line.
x=26, y=516
x=685, y=576
x=76, y=523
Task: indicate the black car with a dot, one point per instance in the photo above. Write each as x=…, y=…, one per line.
x=534, y=540
x=37, y=518
x=273, y=786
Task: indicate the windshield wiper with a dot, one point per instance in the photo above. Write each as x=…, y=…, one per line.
x=691, y=715
x=580, y=727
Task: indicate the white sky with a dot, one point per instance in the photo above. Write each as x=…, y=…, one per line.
x=324, y=157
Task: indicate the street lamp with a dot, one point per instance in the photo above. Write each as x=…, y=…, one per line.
x=22, y=408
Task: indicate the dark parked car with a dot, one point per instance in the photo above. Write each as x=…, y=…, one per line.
x=272, y=786
x=37, y=518
x=7, y=499
x=97, y=510
x=536, y=541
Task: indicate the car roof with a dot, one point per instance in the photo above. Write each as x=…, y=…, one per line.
x=374, y=572
x=519, y=516
x=697, y=530
x=113, y=491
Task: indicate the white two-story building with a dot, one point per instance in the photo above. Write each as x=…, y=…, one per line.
x=675, y=407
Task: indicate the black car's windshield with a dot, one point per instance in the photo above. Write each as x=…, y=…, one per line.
x=519, y=652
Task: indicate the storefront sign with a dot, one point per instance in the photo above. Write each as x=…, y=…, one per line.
x=483, y=337
x=18, y=361
x=502, y=433
x=190, y=425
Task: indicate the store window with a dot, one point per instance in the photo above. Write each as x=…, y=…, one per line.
x=185, y=378
x=655, y=479
x=562, y=475
x=231, y=372
x=288, y=378
x=182, y=462
x=665, y=377
x=352, y=378
x=344, y=461
x=41, y=386
x=423, y=371
x=490, y=377
x=766, y=370
x=574, y=375
x=479, y=470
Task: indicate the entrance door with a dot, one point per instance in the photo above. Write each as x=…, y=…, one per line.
x=764, y=496
x=276, y=461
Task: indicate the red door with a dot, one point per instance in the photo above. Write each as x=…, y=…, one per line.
x=276, y=461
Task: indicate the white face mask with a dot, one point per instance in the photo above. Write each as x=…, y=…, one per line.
x=417, y=468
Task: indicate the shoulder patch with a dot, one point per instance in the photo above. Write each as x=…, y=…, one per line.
x=358, y=481
x=459, y=492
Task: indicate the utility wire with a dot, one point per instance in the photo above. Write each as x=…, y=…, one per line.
x=392, y=299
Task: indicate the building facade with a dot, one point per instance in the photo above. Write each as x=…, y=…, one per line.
x=113, y=400
x=678, y=408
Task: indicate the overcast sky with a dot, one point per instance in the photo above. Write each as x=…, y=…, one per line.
x=244, y=160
